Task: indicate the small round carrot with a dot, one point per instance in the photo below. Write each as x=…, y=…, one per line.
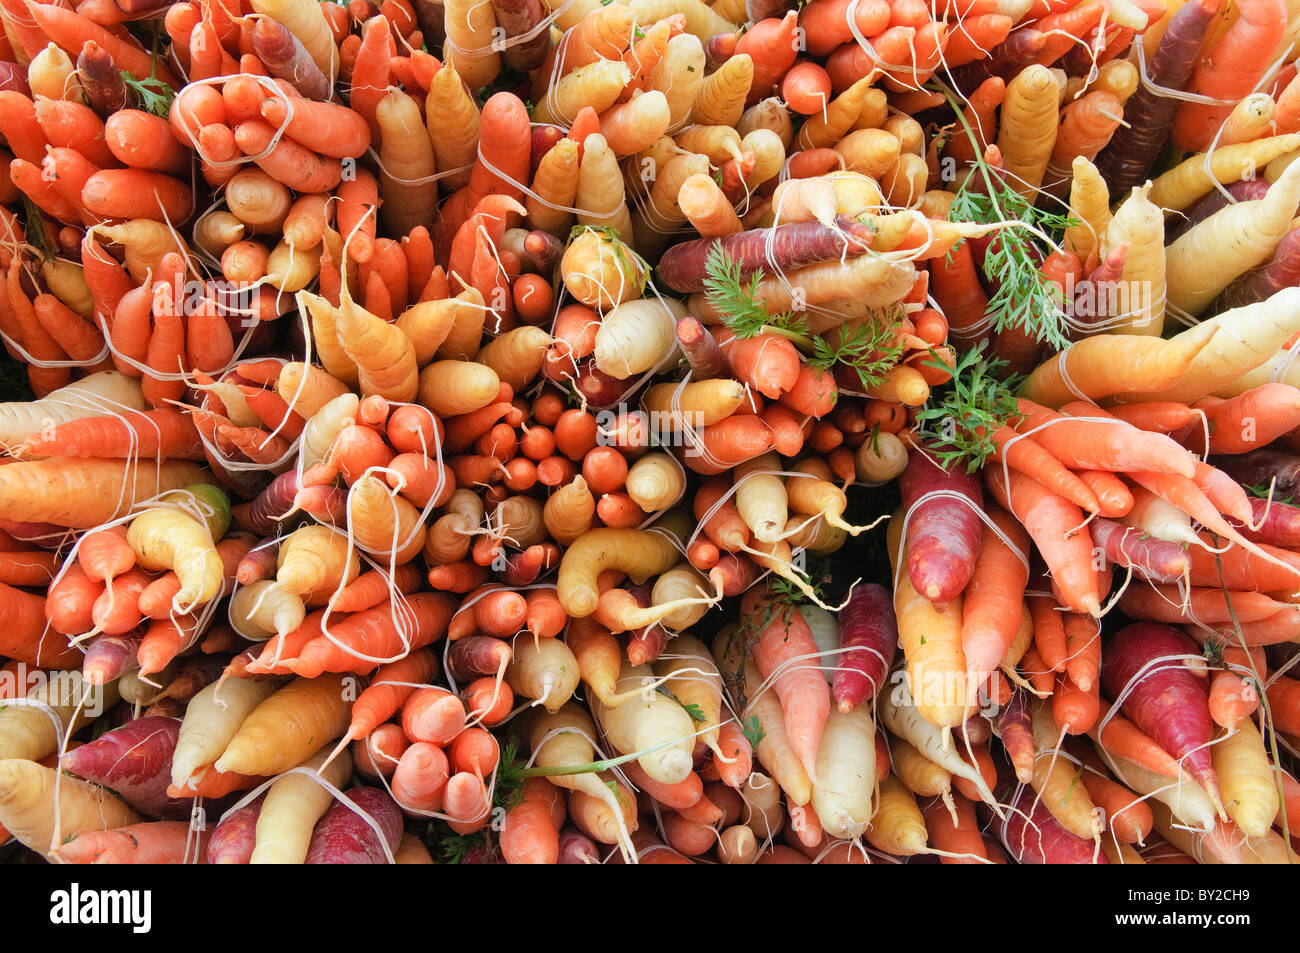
x=104, y=554
x=555, y=471
x=806, y=88
x=619, y=511
x=420, y=777
x=537, y=443
x=604, y=469
x=434, y=715
x=488, y=700
x=474, y=750
x=379, y=753
x=533, y=298
x=575, y=433
x=548, y=408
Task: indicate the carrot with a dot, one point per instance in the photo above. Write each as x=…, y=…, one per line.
x=1112, y=446
x=288, y=727
x=41, y=809
x=162, y=434
x=280, y=54
x=151, y=842
x=1053, y=524
x=1250, y=791
x=131, y=760
x=992, y=601
x=344, y=836
x=942, y=533
x=291, y=807
x=1028, y=129
x=1228, y=70
x=71, y=32
x=1233, y=697
x=381, y=700
x=368, y=638
x=529, y=832
x=1150, y=693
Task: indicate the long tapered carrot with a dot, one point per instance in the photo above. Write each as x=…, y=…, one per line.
x=71, y=31
x=1056, y=526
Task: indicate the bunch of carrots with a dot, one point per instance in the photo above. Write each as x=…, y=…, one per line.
x=439, y=420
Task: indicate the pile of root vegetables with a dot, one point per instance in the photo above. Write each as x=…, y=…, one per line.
x=649, y=432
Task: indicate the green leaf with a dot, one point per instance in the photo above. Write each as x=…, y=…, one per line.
x=153, y=95
x=34, y=230
x=728, y=291
x=1024, y=300
x=959, y=425
x=509, y=782
x=753, y=731
x=454, y=847
x=867, y=346
x=1262, y=491
x=696, y=712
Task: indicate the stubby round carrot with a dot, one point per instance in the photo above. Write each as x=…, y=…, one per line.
x=806, y=88
x=420, y=777
x=434, y=715
x=533, y=298
x=488, y=700
x=575, y=433
x=474, y=750
x=537, y=443
x=555, y=471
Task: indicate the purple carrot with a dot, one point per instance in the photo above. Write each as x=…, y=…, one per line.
x=943, y=534
x=234, y=838
x=1014, y=727
x=523, y=568
x=784, y=247
x=165, y=708
x=195, y=673
x=136, y=762
x=1261, y=467
x=869, y=630
x=1094, y=298
x=1032, y=836
x=718, y=49
x=1005, y=60
x=1149, y=116
x=1155, y=559
x=544, y=251
x=1279, y=523
x=14, y=78
x=577, y=848
x=476, y=656
x=101, y=80
x=976, y=729
x=286, y=58
x=1078, y=61
x=735, y=572
x=41, y=535
x=757, y=10
x=1280, y=271
x=600, y=389
x=702, y=350
x=517, y=18
x=343, y=836
x=429, y=15
x=1247, y=190
x=1165, y=699
x=108, y=656
x=266, y=513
